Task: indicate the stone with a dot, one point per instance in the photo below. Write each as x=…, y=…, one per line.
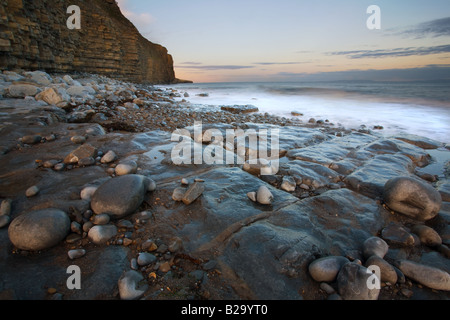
x=31, y=139
x=288, y=184
x=78, y=139
x=375, y=246
x=83, y=151
x=101, y=219
x=75, y=227
x=109, y=157
x=120, y=196
x=427, y=235
x=85, y=162
x=151, y=185
x=352, y=283
x=397, y=235
x=5, y=207
x=32, y=191
x=176, y=245
x=50, y=96
x=428, y=276
x=252, y=196
x=149, y=246
x=87, y=193
x=387, y=271
x=76, y=253
x=22, y=90
x=130, y=167
x=40, y=77
x=193, y=193
x=326, y=269
x=238, y=109
x=412, y=197
x=264, y=196
x=39, y=230
x=145, y=259
x=101, y=234
x=129, y=288
x=178, y=194
x=164, y=267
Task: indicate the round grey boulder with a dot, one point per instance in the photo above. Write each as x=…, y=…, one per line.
x=39, y=230
x=121, y=196
x=326, y=269
x=413, y=198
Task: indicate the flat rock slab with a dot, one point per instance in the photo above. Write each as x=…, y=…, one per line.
x=240, y=109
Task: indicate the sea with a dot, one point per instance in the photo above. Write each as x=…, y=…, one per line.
x=419, y=108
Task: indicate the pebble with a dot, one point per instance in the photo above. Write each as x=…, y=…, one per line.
x=87, y=226
x=326, y=269
x=178, y=194
x=109, y=157
x=176, y=245
x=427, y=235
x=430, y=277
x=76, y=254
x=145, y=259
x=75, y=227
x=252, y=196
x=78, y=139
x=264, y=196
x=5, y=207
x=101, y=234
x=193, y=193
x=130, y=167
x=388, y=273
x=288, y=184
x=352, y=283
x=184, y=181
x=86, y=162
x=375, y=246
x=164, y=267
x=101, y=219
x=87, y=193
x=31, y=139
x=149, y=246
x=49, y=164
x=396, y=234
x=32, y=191
x=327, y=288
x=59, y=167
x=151, y=185
x=128, y=284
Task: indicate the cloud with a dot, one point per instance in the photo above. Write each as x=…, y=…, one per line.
x=142, y=21
x=276, y=63
x=397, y=52
x=426, y=73
x=213, y=67
x=434, y=28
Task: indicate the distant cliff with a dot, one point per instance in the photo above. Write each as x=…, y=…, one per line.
x=34, y=36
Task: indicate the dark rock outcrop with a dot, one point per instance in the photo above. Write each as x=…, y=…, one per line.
x=34, y=36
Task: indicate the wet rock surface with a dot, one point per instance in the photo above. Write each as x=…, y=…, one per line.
x=220, y=240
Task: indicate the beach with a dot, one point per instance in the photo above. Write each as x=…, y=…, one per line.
x=370, y=191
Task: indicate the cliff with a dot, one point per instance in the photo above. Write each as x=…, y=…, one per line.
x=34, y=36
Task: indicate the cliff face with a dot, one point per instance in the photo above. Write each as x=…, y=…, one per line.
x=34, y=36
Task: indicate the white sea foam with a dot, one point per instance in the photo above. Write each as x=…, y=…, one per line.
x=399, y=108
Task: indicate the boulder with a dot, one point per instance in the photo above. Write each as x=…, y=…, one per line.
x=428, y=276
x=39, y=230
x=326, y=269
x=22, y=90
x=353, y=282
x=412, y=198
x=120, y=196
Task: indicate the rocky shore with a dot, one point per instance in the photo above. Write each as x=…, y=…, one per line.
x=87, y=180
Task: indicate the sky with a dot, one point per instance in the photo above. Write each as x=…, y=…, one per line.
x=296, y=40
